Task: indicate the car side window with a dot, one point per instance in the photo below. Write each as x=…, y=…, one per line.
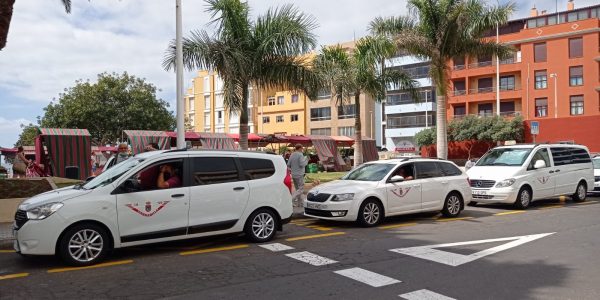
x=579, y=156
x=164, y=174
x=407, y=171
x=213, y=170
x=541, y=154
x=257, y=168
x=427, y=169
x=561, y=155
x=449, y=169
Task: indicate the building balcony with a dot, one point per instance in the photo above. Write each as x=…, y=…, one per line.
x=484, y=94
x=512, y=64
x=410, y=107
x=409, y=122
x=506, y=114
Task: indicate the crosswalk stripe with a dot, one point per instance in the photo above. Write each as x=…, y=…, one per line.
x=276, y=247
x=367, y=277
x=311, y=258
x=424, y=295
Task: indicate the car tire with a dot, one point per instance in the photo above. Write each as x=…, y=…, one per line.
x=523, y=199
x=473, y=203
x=84, y=244
x=452, y=205
x=580, y=192
x=370, y=213
x=261, y=226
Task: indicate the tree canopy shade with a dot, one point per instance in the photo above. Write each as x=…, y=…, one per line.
x=262, y=53
x=27, y=136
x=114, y=103
x=348, y=73
x=439, y=30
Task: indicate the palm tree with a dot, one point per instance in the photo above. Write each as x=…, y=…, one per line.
x=440, y=31
x=265, y=53
x=6, y=11
x=349, y=73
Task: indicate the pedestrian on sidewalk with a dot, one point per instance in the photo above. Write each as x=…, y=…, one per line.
x=297, y=163
x=20, y=164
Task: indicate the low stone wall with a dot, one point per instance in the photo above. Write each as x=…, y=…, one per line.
x=8, y=207
x=24, y=187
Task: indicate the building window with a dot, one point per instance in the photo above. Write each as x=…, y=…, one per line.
x=486, y=110
x=346, y=111
x=507, y=109
x=320, y=131
x=346, y=131
x=460, y=111
x=295, y=98
x=541, y=107
x=207, y=119
x=271, y=101
x=577, y=105
x=220, y=117
x=406, y=98
x=266, y=119
x=459, y=63
x=541, y=79
x=575, y=47
x=192, y=119
x=279, y=119
x=576, y=76
x=485, y=85
x=280, y=100
x=539, y=52
x=192, y=106
x=320, y=114
x=323, y=94
x=507, y=83
x=207, y=102
x=294, y=118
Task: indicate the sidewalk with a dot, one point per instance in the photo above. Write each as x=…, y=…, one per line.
x=6, y=239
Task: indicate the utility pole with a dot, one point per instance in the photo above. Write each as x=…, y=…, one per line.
x=179, y=76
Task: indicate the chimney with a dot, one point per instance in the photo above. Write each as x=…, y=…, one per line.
x=570, y=5
x=533, y=12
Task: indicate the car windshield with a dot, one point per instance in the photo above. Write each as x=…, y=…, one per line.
x=112, y=174
x=369, y=172
x=505, y=157
x=596, y=163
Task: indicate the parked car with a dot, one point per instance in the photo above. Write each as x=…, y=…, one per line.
x=521, y=174
x=596, y=162
x=378, y=189
x=155, y=197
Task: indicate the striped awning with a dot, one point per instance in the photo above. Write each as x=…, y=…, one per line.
x=327, y=149
x=343, y=140
x=64, y=131
x=138, y=139
x=220, y=141
x=67, y=148
x=188, y=135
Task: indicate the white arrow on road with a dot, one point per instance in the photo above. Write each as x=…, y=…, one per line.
x=454, y=259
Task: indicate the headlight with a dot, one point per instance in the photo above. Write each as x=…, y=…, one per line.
x=43, y=211
x=343, y=197
x=505, y=183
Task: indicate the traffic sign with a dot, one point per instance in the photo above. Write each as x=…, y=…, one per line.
x=535, y=127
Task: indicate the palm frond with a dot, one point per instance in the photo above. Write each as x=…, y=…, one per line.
x=390, y=26
x=231, y=18
x=67, y=5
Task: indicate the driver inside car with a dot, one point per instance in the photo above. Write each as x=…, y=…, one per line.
x=168, y=177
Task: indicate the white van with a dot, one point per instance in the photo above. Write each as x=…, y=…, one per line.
x=156, y=197
x=521, y=174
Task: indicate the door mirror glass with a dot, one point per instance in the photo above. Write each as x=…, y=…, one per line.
x=396, y=178
x=539, y=164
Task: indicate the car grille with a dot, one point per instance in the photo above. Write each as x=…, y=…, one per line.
x=20, y=218
x=317, y=198
x=484, y=184
x=317, y=212
x=483, y=196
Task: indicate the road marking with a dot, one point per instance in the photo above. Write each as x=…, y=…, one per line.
x=425, y=295
x=108, y=264
x=551, y=207
x=209, y=250
x=11, y=276
x=397, y=225
x=453, y=259
x=320, y=228
x=7, y=251
x=306, y=237
x=276, y=247
x=453, y=219
x=365, y=276
x=311, y=259
x=510, y=213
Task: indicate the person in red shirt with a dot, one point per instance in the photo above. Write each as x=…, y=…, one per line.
x=168, y=177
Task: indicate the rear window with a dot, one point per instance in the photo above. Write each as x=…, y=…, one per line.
x=580, y=156
x=256, y=168
x=449, y=169
x=428, y=170
x=213, y=170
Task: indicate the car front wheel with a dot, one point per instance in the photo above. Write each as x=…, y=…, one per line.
x=84, y=245
x=370, y=213
x=523, y=199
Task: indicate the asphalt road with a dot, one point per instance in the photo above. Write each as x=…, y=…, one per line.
x=552, y=254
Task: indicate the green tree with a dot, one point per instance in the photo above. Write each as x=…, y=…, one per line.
x=27, y=136
x=439, y=30
x=426, y=137
x=498, y=129
x=107, y=107
x=466, y=129
x=348, y=75
x=262, y=53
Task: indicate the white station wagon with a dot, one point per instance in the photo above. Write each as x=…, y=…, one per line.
x=391, y=187
x=155, y=197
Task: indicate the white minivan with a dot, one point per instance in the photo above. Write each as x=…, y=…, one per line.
x=155, y=197
x=521, y=174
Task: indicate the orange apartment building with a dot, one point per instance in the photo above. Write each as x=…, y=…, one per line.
x=553, y=77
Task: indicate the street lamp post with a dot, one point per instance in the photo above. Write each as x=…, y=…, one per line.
x=554, y=75
x=179, y=76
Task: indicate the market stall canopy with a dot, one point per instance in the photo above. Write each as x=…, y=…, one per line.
x=138, y=139
x=219, y=141
x=66, y=148
x=297, y=139
x=343, y=140
x=189, y=135
x=327, y=150
x=254, y=140
x=369, y=150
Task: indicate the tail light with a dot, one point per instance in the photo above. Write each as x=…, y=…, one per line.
x=287, y=181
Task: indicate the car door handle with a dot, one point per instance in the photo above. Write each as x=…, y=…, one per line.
x=551, y=172
x=239, y=188
x=177, y=195
x=557, y=171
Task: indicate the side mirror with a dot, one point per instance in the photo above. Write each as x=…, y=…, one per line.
x=539, y=164
x=396, y=178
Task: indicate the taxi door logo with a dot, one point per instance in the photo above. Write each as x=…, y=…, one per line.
x=543, y=180
x=147, y=207
x=400, y=192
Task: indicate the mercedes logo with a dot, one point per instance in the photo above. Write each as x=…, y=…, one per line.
x=478, y=184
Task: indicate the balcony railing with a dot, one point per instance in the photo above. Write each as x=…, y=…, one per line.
x=487, y=63
x=410, y=121
x=459, y=92
x=506, y=114
x=505, y=88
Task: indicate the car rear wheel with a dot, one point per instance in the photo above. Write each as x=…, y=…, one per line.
x=452, y=205
x=370, y=213
x=261, y=226
x=523, y=199
x=580, y=193
x=84, y=244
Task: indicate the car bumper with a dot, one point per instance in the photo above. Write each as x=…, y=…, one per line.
x=330, y=210
x=38, y=237
x=494, y=195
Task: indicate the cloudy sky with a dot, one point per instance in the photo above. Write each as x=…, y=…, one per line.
x=48, y=50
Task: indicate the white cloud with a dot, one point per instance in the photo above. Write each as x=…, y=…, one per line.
x=10, y=130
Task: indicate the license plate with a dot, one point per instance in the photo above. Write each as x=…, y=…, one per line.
x=316, y=205
x=479, y=192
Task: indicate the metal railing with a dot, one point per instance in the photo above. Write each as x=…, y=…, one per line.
x=506, y=114
x=505, y=88
x=410, y=121
x=487, y=63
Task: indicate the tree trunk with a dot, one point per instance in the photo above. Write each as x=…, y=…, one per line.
x=441, y=125
x=6, y=11
x=244, y=119
x=358, y=147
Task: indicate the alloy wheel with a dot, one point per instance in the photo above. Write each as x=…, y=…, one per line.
x=263, y=225
x=453, y=205
x=371, y=213
x=86, y=245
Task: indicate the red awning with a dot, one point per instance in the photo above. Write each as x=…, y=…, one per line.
x=106, y=149
x=64, y=131
x=343, y=140
x=251, y=137
x=297, y=139
x=189, y=135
